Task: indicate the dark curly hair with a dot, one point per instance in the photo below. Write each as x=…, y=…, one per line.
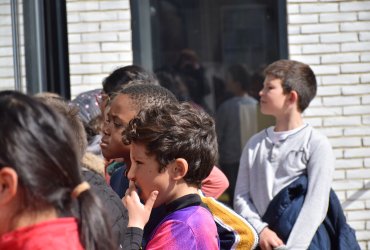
x=176, y=131
x=147, y=95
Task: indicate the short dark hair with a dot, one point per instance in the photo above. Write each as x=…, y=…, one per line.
x=146, y=95
x=126, y=74
x=295, y=76
x=176, y=131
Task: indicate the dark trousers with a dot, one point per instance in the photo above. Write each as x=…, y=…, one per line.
x=231, y=172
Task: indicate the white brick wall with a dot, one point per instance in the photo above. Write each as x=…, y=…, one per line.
x=99, y=40
x=334, y=38
x=6, y=49
x=99, y=34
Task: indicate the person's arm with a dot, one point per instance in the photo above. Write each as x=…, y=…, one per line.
x=215, y=184
x=243, y=203
x=132, y=238
x=138, y=214
x=320, y=170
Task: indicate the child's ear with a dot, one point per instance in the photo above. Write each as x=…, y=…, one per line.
x=293, y=97
x=8, y=184
x=179, y=168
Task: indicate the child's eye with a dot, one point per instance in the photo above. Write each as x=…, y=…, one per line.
x=269, y=87
x=118, y=125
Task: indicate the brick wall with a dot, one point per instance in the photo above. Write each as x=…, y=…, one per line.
x=99, y=34
x=334, y=38
x=99, y=40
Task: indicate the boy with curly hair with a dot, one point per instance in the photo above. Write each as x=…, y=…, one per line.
x=173, y=148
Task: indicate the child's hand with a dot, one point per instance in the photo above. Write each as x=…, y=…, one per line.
x=138, y=213
x=269, y=240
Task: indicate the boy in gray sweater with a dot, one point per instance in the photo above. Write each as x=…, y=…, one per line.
x=277, y=156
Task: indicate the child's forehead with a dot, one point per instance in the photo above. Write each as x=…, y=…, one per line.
x=122, y=104
x=271, y=79
x=139, y=150
x=121, y=99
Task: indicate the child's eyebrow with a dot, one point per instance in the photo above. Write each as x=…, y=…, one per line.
x=136, y=158
x=138, y=161
x=115, y=117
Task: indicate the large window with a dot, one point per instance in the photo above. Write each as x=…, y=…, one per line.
x=33, y=46
x=11, y=45
x=218, y=33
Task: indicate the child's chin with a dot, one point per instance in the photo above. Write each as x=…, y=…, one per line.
x=144, y=199
x=142, y=196
x=156, y=205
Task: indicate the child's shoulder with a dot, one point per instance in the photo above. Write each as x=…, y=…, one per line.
x=187, y=208
x=309, y=135
x=189, y=218
x=318, y=137
x=259, y=136
x=197, y=212
x=193, y=225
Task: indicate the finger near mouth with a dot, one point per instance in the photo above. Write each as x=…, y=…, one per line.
x=139, y=191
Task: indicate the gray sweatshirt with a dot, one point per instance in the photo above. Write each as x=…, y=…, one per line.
x=268, y=165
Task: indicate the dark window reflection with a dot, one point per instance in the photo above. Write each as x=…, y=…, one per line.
x=196, y=41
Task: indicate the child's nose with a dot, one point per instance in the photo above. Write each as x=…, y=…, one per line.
x=130, y=173
x=105, y=128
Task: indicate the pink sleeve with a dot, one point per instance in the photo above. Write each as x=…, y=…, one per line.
x=215, y=184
